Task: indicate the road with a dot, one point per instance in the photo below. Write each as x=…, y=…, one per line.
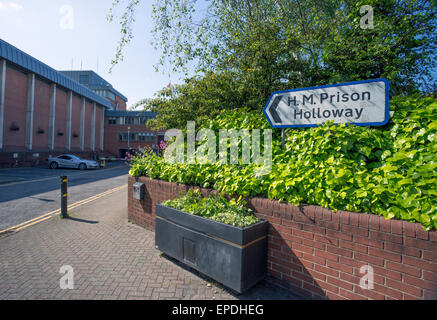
x=26, y=193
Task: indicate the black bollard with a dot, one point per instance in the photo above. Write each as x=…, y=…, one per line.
x=64, y=196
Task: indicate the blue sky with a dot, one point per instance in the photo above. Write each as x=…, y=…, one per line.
x=46, y=30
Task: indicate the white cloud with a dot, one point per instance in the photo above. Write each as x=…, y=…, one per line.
x=15, y=6
x=10, y=6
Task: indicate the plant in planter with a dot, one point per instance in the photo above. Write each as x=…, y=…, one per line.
x=218, y=237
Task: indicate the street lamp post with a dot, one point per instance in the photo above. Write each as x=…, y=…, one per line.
x=128, y=138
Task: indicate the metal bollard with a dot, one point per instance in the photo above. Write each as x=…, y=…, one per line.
x=64, y=196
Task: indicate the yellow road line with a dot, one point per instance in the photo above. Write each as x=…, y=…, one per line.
x=72, y=206
x=31, y=224
x=42, y=216
x=50, y=214
x=58, y=211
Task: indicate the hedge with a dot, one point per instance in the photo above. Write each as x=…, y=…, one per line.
x=387, y=170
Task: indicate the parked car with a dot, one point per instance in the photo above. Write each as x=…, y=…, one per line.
x=71, y=161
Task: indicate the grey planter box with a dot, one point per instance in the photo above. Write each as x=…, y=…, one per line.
x=235, y=257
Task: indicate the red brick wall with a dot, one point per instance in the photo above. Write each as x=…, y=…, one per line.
x=41, y=116
x=111, y=138
x=75, y=123
x=317, y=253
x=60, y=119
x=15, y=110
x=121, y=103
x=112, y=145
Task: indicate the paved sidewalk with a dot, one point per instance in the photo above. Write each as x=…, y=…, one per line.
x=111, y=258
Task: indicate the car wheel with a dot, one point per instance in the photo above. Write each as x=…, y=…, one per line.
x=53, y=165
x=82, y=166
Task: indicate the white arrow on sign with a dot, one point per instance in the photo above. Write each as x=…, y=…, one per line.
x=364, y=103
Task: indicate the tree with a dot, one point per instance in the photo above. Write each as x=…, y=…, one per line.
x=197, y=99
x=400, y=47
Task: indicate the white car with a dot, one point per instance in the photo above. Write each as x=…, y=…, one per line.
x=71, y=161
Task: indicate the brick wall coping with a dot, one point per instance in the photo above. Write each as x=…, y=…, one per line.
x=311, y=213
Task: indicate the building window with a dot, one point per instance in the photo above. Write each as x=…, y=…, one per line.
x=100, y=93
x=136, y=136
x=145, y=119
x=142, y=137
x=112, y=121
x=122, y=136
x=146, y=136
x=110, y=95
x=129, y=120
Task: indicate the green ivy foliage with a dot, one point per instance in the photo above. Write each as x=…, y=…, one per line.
x=388, y=170
x=216, y=208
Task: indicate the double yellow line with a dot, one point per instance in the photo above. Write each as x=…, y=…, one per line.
x=53, y=213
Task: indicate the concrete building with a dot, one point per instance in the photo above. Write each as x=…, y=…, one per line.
x=96, y=83
x=44, y=112
x=126, y=130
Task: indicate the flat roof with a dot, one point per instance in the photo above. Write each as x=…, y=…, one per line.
x=96, y=81
x=27, y=62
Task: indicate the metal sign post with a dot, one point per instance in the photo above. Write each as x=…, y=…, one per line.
x=282, y=138
x=64, y=196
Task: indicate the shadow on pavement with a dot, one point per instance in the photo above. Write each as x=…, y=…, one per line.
x=82, y=220
x=41, y=199
x=262, y=291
